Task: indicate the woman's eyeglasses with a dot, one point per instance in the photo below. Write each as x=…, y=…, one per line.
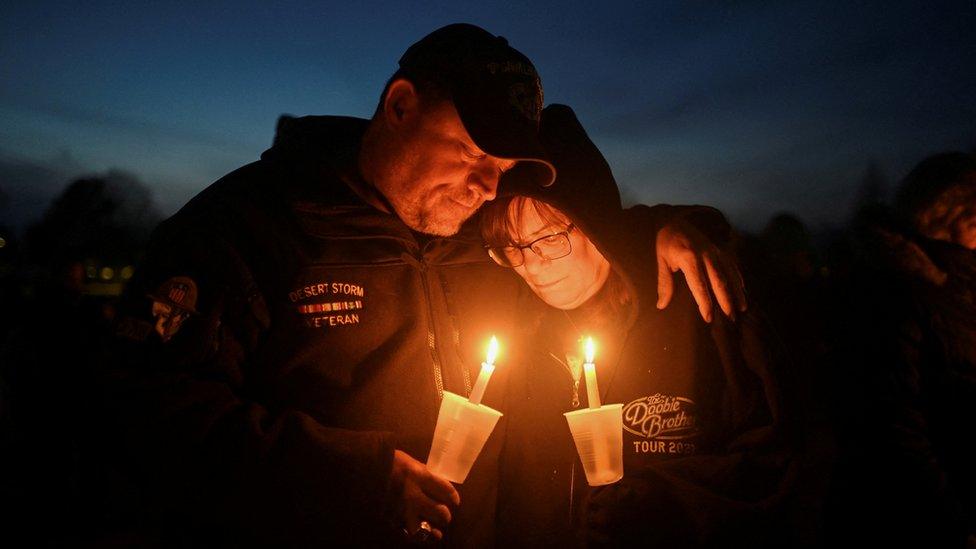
x=549, y=247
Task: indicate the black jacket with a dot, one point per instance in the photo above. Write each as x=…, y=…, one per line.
x=715, y=464
x=708, y=460
x=320, y=334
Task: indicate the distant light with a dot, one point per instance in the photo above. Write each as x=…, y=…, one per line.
x=107, y=273
x=126, y=272
x=3, y=242
x=91, y=271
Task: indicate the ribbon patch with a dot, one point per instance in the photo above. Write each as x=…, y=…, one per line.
x=318, y=311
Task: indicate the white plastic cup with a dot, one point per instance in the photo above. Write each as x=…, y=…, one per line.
x=462, y=430
x=598, y=433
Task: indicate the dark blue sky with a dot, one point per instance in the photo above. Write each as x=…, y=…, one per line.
x=754, y=107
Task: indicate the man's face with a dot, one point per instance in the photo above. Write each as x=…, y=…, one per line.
x=439, y=177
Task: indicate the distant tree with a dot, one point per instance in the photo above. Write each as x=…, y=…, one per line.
x=106, y=217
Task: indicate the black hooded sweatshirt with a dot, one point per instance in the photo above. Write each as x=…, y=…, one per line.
x=706, y=456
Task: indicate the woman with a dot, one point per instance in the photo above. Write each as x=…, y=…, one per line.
x=704, y=458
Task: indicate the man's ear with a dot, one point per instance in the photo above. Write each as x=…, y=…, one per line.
x=402, y=102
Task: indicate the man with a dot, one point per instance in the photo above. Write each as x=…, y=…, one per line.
x=337, y=297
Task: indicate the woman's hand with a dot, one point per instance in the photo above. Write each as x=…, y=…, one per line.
x=682, y=247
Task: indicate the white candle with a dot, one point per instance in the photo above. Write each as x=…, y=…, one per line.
x=589, y=369
x=487, y=367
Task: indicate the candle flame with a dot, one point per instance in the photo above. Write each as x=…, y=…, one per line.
x=492, y=351
x=590, y=350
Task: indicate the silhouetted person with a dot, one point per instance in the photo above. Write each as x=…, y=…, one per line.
x=9, y=280
x=58, y=489
x=784, y=277
x=911, y=370
x=108, y=218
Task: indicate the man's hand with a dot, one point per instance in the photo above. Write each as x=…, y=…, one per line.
x=422, y=495
x=682, y=247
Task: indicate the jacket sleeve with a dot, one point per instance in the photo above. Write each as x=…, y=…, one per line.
x=648, y=220
x=735, y=494
x=192, y=417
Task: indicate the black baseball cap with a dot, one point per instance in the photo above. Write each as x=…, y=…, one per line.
x=495, y=89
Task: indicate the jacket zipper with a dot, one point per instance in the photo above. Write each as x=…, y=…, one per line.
x=431, y=338
x=572, y=490
x=455, y=330
x=575, y=402
x=456, y=333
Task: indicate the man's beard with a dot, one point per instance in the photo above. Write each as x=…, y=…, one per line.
x=431, y=219
x=429, y=222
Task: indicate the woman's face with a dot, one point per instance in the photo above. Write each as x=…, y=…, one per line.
x=564, y=283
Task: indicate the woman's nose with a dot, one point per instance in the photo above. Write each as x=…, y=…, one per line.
x=533, y=263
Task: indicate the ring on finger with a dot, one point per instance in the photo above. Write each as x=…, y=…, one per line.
x=424, y=532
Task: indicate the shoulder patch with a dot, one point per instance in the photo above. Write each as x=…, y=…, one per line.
x=172, y=303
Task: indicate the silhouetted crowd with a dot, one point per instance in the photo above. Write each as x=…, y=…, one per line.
x=879, y=321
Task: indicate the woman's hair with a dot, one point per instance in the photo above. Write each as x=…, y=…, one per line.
x=937, y=192
x=500, y=220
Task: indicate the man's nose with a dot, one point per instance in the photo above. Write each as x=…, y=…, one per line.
x=483, y=180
